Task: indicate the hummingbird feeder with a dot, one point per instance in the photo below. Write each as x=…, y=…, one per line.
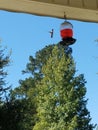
x=66, y=32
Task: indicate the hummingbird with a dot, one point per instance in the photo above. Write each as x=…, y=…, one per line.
x=51, y=33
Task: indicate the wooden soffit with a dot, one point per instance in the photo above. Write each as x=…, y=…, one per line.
x=83, y=10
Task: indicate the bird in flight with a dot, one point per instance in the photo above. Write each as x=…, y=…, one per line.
x=51, y=33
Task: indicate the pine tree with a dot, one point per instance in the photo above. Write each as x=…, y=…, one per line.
x=22, y=106
x=4, y=62
x=34, y=67
x=23, y=98
x=61, y=103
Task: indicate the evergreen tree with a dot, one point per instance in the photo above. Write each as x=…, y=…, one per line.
x=53, y=92
x=23, y=98
x=34, y=67
x=23, y=105
x=4, y=62
x=61, y=103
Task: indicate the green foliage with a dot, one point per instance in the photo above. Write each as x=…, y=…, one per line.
x=23, y=98
x=10, y=115
x=4, y=62
x=61, y=103
x=53, y=98
x=34, y=67
x=26, y=109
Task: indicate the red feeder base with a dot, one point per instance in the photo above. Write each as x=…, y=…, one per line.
x=65, y=33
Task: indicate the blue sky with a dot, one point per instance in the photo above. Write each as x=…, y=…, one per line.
x=25, y=34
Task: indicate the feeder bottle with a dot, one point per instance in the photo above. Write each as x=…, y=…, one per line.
x=66, y=30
